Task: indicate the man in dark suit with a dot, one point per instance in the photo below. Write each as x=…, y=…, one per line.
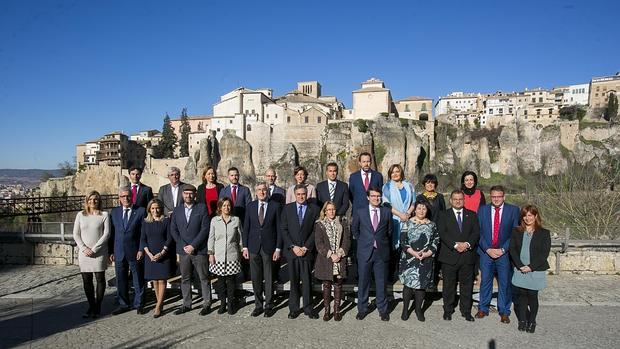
x=124, y=246
x=141, y=194
x=274, y=193
x=170, y=194
x=262, y=244
x=298, y=220
x=496, y=224
x=361, y=180
x=189, y=227
x=238, y=193
x=372, y=228
x=333, y=190
x=459, y=232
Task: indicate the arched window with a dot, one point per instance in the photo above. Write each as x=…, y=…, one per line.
x=424, y=117
x=248, y=128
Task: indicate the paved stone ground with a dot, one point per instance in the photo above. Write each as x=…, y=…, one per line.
x=41, y=306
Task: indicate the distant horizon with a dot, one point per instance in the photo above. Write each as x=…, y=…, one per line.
x=74, y=71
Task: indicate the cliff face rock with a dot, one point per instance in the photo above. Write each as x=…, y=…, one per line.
x=234, y=151
x=511, y=150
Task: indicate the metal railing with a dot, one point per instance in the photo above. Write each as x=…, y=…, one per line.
x=35, y=206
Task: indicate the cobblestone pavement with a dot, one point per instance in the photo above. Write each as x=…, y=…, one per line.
x=41, y=306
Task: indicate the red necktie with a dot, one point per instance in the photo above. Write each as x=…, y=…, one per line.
x=234, y=194
x=496, y=223
x=134, y=193
x=366, y=181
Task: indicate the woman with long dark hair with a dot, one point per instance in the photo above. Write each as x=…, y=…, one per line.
x=529, y=249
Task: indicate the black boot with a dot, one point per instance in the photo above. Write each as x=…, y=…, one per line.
x=337, y=300
x=327, y=290
x=407, y=293
x=531, y=327
x=522, y=326
x=419, y=300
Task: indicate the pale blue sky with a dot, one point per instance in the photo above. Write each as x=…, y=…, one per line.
x=71, y=71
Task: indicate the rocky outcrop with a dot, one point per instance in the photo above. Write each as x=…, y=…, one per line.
x=235, y=151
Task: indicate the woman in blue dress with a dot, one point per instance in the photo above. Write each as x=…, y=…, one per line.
x=157, y=243
x=418, y=240
x=398, y=195
x=529, y=249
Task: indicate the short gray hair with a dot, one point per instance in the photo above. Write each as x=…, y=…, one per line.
x=123, y=189
x=261, y=183
x=173, y=169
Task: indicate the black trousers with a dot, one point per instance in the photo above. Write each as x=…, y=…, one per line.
x=225, y=287
x=94, y=299
x=299, y=270
x=261, y=269
x=526, y=303
x=463, y=274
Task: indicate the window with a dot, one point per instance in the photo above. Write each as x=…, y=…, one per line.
x=230, y=121
x=423, y=107
x=248, y=128
x=267, y=116
x=305, y=119
x=533, y=100
x=406, y=107
x=537, y=111
x=276, y=116
x=218, y=129
x=247, y=111
x=501, y=111
x=288, y=119
x=253, y=111
x=540, y=99
x=509, y=110
x=318, y=119
x=550, y=111
x=490, y=111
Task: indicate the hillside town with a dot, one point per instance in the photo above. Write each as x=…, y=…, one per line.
x=245, y=111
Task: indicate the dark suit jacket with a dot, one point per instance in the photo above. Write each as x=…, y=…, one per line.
x=145, y=194
x=508, y=221
x=278, y=195
x=244, y=197
x=195, y=232
x=341, y=196
x=266, y=236
x=295, y=235
x=539, y=249
x=124, y=242
x=448, y=230
x=200, y=195
x=165, y=195
x=359, y=199
x=362, y=230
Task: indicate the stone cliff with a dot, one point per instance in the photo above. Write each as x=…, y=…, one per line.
x=420, y=147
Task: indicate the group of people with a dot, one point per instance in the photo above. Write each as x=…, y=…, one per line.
x=392, y=233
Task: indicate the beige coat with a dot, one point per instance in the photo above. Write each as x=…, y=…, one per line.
x=225, y=239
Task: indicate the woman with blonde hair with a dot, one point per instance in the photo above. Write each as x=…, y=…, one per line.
x=91, y=231
x=157, y=243
x=333, y=239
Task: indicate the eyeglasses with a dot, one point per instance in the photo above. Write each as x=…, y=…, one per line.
x=124, y=196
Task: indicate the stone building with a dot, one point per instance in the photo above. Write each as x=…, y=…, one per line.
x=370, y=101
x=601, y=88
x=415, y=108
x=113, y=149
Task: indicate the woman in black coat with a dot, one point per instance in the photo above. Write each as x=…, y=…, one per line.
x=529, y=249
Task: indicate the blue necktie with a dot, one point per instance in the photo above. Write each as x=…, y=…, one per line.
x=126, y=218
x=300, y=214
x=459, y=221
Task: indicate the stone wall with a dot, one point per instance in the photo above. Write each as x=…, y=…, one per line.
x=596, y=258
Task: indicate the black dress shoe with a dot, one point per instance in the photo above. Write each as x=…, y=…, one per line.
x=293, y=314
x=140, y=311
x=256, y=312
x=522, y=326
x=447, y=316
x=531, y=327
x=361, y=315
x=205, y=310
x=88, y=314
x=420, y=316
x=269, y=312
x=120, y=310
x=468, y=317
x=182, y=310
x=385, y=317
x=312, y=315
x=405, y=315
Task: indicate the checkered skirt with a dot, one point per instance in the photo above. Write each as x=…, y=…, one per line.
x=225, y=268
